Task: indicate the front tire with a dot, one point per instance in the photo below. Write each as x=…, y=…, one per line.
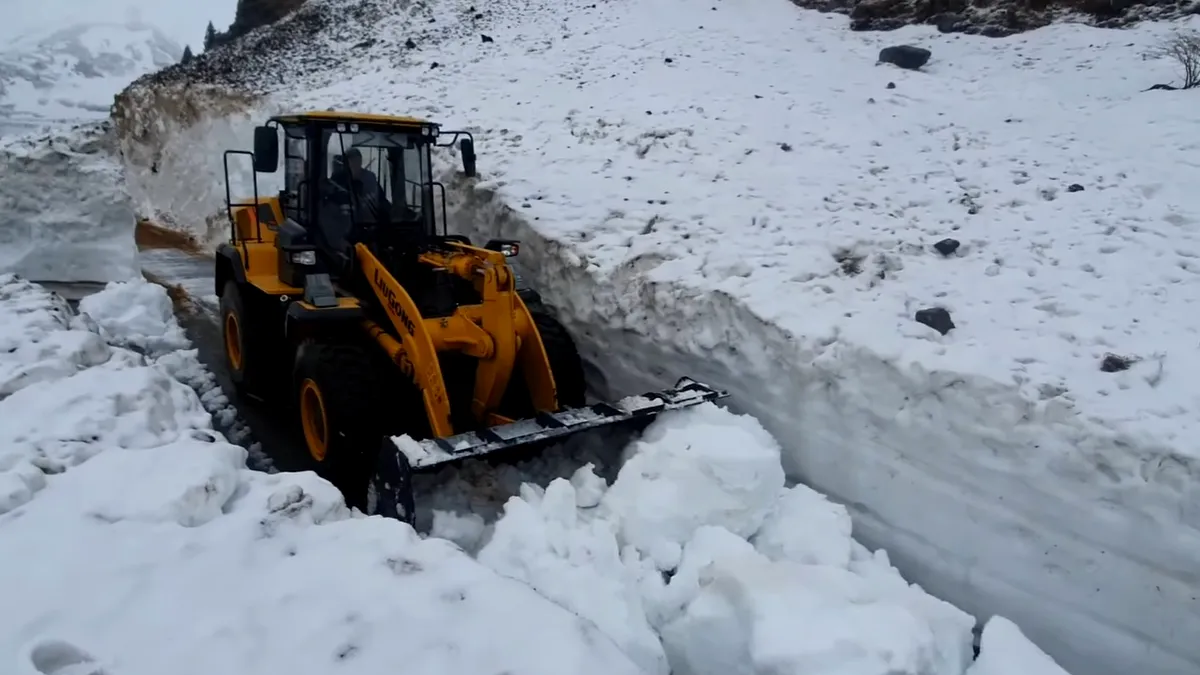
x=565, y=364
x=340, y=423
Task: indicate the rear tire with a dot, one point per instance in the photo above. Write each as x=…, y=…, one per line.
x=242, y=339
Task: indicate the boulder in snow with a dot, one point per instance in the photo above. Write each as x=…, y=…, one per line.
x=905, y=56
x=937, y=318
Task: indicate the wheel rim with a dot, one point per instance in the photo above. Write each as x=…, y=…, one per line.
x=233, y=341
x=312, y=420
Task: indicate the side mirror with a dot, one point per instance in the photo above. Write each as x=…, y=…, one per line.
x=266, y=149
x=467, y=147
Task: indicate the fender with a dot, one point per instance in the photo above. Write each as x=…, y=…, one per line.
x=229, y=266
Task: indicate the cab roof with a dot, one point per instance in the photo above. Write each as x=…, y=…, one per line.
x=352, y=118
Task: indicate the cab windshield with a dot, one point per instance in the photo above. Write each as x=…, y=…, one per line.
x=375, y=177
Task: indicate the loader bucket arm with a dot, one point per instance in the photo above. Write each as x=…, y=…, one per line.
x=401, y=456
x=415, y=355
x=499, y=332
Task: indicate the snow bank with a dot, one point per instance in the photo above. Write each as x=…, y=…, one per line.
x=143, y=545
x=743, y=199
x=64, y=213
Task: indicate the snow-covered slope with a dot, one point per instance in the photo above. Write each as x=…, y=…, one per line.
x=73, y=72
x=732, y=190
x=136, y=542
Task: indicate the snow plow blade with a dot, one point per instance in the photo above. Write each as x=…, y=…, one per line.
x=391, y=489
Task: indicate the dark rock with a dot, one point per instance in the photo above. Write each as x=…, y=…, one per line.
x=946, y=246
x=410, y=44
x=1114, y=364
x=1074, y=187
x=891, y=85
x=947, y=23
x=786, y=147
x=936, y=318
x=998, y=18
x=251, y=14
x=905, y=56
x=486, y=38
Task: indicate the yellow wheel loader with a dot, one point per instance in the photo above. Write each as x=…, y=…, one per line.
x=394, y=346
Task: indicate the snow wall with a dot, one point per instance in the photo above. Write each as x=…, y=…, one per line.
x=64, y=212
x=995, y=503
x=173, y=140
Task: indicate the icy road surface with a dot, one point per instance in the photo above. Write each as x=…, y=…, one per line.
x=135, y=540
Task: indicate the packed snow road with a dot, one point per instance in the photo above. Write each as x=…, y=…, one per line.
x=136, y=540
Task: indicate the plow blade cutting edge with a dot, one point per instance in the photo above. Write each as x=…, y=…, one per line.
x=390, y=493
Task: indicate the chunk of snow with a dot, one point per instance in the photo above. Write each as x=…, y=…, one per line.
x=466, y=530
x=38, y=341
x=699, y=466
x=136, y=314
x=753, y=616
x=804, y=527
x=589, y=488
x=576, y=563
x=1004, y=650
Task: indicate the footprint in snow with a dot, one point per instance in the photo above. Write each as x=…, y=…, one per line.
x=56, y=657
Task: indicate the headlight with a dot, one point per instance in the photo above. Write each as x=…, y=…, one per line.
x=304, y=258
x=510, y=250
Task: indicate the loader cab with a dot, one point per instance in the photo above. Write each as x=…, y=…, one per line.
x=354, y=178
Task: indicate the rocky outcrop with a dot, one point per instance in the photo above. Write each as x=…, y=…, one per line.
x=253, y=14
x=997, y=18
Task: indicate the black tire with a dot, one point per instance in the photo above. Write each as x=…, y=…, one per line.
x=566, y=366
x=565, y=363
x=243, y=340
x=343, y=383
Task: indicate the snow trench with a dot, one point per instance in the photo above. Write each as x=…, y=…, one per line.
x=996, y=504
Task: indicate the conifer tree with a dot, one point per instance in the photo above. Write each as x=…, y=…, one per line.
x=210, y=37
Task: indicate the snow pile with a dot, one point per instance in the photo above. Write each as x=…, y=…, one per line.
x=149, y=547
x=698, y=561
x=738, y=195
x=64, y=212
